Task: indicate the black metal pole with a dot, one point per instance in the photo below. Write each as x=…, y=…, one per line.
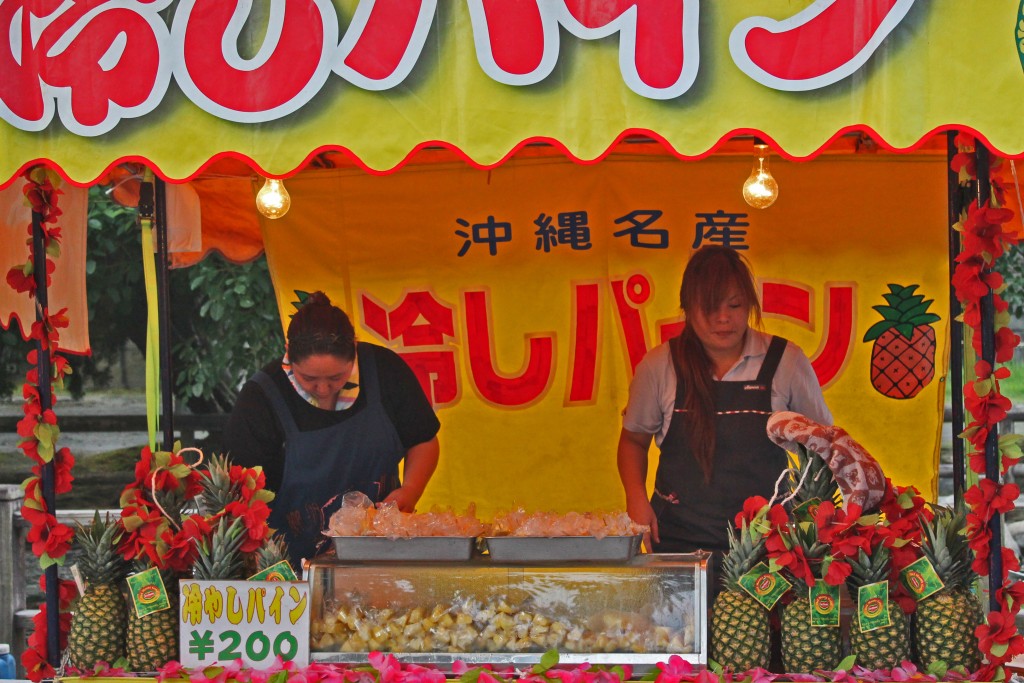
x=163, y=300
x=45, y=372
x=956, y=328
x=988, y=353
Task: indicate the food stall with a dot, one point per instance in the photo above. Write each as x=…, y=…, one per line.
x=485, y=121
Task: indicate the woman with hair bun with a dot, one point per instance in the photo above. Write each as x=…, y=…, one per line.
x=334, y=415
x=705, y=397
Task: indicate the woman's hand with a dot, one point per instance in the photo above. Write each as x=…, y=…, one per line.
x=420, y=463
x=403, y=497
x=641, y=512
x=632, y=462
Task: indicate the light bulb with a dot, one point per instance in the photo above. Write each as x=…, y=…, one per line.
x=760, y=190
x=273, y=200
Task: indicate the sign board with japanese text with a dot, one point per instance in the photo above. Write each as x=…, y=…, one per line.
x=524, y=296
x=255, y=621
x=178, y=82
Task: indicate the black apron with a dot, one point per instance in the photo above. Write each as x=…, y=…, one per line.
x=359, y=454
x=693, y=514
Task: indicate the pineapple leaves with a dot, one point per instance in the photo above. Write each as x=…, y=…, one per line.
x=904, y=312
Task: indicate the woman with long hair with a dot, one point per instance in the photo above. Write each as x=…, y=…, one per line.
x=705, y=397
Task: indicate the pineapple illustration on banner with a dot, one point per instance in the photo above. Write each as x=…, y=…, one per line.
x=903, y=355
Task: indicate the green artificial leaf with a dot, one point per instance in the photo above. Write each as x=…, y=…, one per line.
x=937, y=669
x=715, y=667
x=847, y=663
x=619, y=671
x=46, y=561
x=547, y=661
x=1010, y=446
x=470, y=676
x=983, y=387
x=31, y=503
x=999, y=649
x=180, y=471
x=278, y=677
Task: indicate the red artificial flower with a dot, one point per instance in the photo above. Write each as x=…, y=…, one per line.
x=1001, y=630
x=967, y=279
x=20, y=281
x=36, y=667
x=839, y=528
x=1013, y=594
x=1006, y=341
x=182, y=546
x=990, y=408
x=837, y=573
x=50, y=537
x=983, y=231
x=254, y=516
x=989, y=498
x=63, y=461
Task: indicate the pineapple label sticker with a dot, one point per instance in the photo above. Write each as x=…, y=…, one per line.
x=764, y=585
x=873, y=606
x=255, y=621
x=282, y=571
x=903, y=343
x=148, y=592
x=824, y=601
x=805, y=511
x=920, y=579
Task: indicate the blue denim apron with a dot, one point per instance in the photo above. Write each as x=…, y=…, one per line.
x=360, y=454
x=693, y=514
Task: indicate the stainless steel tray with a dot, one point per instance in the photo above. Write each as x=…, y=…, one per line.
x=384, y=549
x=562, y=548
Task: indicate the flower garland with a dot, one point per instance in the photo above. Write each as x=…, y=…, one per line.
x=38, y=429
x=386, y=668
x=156, y=532
x=985, y=236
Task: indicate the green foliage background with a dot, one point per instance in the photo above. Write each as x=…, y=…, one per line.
x=223, y=317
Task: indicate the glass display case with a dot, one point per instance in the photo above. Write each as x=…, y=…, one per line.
x=478, y=611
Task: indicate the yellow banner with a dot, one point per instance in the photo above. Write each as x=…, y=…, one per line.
x=179, y=82
x=524, y=296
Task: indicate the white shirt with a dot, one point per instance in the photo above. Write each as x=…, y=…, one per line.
x=652, y=393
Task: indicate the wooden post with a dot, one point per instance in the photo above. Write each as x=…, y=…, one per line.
x=12, y=560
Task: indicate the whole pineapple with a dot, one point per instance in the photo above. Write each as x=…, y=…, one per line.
x=98, y=626
x=152, y=640
x=740, y=636
x=220, y=557
x=903, y=353
x=880, y=648
x=807, y=648
x=945, y=621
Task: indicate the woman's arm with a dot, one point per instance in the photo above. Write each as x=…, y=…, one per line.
x=420, y=463
x=632, y=461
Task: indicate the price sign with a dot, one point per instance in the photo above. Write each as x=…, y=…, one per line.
x=255, y=621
